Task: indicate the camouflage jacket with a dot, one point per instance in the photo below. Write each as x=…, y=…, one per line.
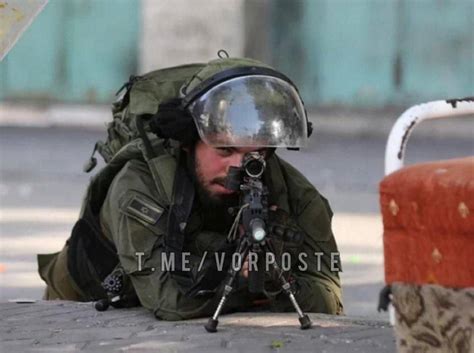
x=132, y=218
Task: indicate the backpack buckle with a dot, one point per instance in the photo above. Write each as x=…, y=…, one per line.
x=127, y=85
x=92, y=161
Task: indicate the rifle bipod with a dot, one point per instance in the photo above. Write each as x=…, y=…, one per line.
x=243, y=250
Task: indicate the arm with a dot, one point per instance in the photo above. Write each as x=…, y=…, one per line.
x=134, y=231
x=318, y=288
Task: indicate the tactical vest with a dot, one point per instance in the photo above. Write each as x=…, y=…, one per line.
x=92, y=256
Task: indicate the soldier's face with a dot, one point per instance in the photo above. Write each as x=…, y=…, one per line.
x=212, y=166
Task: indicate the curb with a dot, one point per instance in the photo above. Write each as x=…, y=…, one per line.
x=378, y=123
x=337, y=121
x=28, y=115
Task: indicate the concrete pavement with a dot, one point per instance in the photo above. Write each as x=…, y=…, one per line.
x=77, y=327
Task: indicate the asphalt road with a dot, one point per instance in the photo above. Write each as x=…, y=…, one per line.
x=42, y=183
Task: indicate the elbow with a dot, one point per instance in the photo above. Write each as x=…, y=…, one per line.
x=319, y=298
x=167, y=315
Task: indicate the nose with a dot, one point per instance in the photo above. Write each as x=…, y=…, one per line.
x=235, y=160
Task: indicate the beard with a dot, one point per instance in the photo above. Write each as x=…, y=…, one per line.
x=209, y=200
x=214, y=208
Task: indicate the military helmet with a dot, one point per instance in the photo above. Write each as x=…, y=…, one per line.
x=240, y=102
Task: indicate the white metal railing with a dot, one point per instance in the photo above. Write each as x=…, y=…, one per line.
x=398, y=137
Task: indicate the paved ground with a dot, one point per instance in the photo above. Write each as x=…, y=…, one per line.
x=70, y=327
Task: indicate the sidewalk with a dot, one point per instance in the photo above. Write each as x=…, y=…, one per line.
x=340, y=121
x=61, y=326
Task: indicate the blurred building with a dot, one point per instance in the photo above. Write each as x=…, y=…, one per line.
x=362, y=53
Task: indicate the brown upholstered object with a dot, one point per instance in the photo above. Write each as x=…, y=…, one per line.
x=433, y=319
x=428, y=217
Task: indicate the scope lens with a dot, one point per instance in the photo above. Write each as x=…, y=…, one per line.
x=254, y=168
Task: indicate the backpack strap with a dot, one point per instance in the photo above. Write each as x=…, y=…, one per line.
x=162, y=164
x=180, y=210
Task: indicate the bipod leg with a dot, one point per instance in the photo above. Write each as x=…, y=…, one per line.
x=212, y=323
x=305, y=322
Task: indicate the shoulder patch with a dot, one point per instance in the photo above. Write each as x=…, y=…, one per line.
x=143, y=209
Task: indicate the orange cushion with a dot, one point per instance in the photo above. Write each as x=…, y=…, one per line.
x=428, y=217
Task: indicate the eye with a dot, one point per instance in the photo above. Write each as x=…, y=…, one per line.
x=225, y=151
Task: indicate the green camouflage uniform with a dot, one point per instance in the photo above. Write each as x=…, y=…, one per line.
x=133, y=231
x=127, y=202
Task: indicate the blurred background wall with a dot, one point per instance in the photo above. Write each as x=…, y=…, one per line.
x=352, y=53
x=182, y=31
x=75, y=51
x=374, y=52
